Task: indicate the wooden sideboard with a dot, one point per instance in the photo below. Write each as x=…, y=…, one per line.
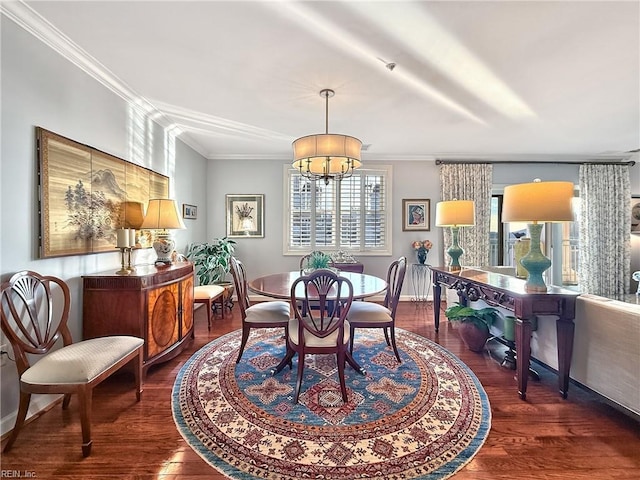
x=154, y=303
x=508, y=292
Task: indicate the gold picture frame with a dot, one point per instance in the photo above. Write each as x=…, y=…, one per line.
x=245, y=216
x=86, y=195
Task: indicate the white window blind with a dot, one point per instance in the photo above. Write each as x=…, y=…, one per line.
x=347, y=215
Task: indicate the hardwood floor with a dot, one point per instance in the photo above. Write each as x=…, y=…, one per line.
x=542, y=437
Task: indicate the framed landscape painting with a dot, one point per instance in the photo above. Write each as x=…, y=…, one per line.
x=86, y=195
x=416, y=215
x=245, y=216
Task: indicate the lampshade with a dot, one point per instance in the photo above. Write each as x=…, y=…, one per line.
x=133, y=213
x=327, y=156
x=455, y=213
x=538, y=202
x=162, y=214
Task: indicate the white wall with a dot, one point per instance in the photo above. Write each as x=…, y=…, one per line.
x=416, y=179
x=41, y=88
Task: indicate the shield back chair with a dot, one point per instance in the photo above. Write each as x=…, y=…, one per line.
x=271, y=314
x=323, y=330
x=374, y=315
x=34, y=315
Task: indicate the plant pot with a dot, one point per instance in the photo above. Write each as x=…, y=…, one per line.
x=472, y=336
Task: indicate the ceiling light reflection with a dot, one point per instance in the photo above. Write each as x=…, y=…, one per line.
x=410, y=25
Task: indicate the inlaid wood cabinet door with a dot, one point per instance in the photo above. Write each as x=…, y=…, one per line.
x=187, y=304
x=152, y=303
x=163, y=327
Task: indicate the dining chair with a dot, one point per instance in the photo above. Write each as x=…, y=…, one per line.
x=375, y=315
x=34, y=315
x=323, y=330
x=271, y=314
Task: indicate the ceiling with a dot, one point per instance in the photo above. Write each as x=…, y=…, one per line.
x=472, y=80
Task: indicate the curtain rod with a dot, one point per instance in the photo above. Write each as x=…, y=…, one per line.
x=631, y=163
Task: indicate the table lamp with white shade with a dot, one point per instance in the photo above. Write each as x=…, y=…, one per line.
x=455, y=214
x=162, y=216
x=535, y=204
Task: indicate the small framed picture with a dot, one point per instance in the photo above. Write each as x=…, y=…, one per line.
x=245, y=216
x=189, y=211
x=416, y=215
x=635, y=215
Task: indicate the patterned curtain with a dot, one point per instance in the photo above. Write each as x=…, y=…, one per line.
x=469, y=182
x=605, y=226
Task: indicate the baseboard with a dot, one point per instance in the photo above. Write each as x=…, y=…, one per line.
x=39, y=405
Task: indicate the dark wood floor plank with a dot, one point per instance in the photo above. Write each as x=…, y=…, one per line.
x=544, y=437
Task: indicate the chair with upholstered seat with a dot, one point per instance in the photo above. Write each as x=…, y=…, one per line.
x=374, y=315
x=270, y=314
x=34, y=315
x=321, y=330
x=208, y=294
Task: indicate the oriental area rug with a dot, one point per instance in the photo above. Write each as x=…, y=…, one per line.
x=422, y=419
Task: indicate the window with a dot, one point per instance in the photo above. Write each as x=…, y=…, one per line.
x=564, y=260
x=349, y=215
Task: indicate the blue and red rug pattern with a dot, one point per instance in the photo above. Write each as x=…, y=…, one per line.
x=422, y=419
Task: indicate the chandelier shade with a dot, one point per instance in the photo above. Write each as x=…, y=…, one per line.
x=327, y=155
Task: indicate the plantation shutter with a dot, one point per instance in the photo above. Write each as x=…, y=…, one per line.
x=349, y=214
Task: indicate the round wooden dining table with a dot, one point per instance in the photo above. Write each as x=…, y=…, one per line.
x=278, y=285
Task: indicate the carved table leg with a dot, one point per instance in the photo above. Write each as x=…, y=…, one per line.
x=564, y=329
x=436, y=303
x=523, y=349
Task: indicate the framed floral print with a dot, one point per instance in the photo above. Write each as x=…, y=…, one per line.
x=245, y=216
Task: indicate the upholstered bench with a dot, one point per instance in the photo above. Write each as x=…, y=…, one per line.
x=208, y=294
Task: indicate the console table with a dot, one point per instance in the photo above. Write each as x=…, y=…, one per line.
x=508, y=292
x=153, y=303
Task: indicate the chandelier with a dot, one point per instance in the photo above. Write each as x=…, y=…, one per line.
x=326, y=155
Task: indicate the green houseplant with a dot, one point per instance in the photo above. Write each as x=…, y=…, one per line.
x=474, y=324
x=212, y=261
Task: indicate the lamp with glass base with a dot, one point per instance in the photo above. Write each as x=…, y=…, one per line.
x=535, y=204
x=162, y=216
x=455, y=214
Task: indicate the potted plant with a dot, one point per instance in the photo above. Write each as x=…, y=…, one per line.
x=317, y=260
x=474, y=324
x=212, y=261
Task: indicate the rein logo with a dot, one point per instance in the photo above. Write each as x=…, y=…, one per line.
x=17, y=474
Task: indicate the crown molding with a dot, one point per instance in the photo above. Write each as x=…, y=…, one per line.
x=32, y=22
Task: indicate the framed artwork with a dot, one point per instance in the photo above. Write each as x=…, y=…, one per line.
x=245, y=216
x=635, y=215
x=189, y=212
x=86, y=195
x=416, y=215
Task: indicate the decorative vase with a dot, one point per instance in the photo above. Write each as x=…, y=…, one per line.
x=422, y=255
x=521, y=247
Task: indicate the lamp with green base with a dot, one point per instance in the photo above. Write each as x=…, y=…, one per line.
x=455, y=214
x=535, y=204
